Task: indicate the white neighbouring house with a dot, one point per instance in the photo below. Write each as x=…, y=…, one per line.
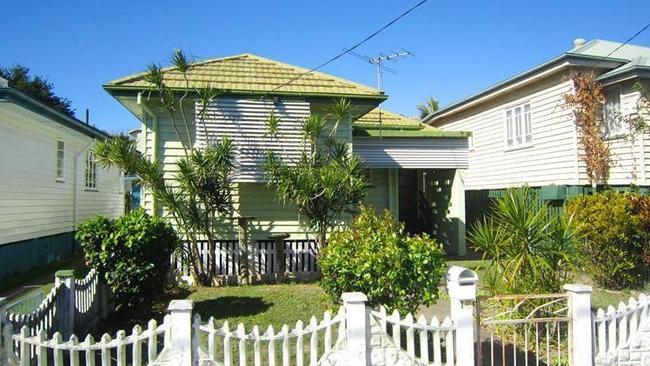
x=49, y=182
x=523, y=134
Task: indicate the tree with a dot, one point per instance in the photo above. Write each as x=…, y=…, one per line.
x=586, y=103
x=36, y=87
x=327, y=180
x=200, y=193
x=427, y=108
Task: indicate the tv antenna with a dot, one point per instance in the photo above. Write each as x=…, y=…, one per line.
x=380, y=60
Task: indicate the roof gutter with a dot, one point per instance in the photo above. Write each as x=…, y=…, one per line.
x=111, y=88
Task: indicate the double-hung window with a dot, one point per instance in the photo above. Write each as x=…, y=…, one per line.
x=91, y=170
x=614, y=125
x=519, y=129
x=60, y=160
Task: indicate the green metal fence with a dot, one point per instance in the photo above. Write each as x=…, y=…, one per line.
x=21, y=256
x=478, y=202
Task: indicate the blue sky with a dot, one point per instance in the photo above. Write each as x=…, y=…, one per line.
x=460, y=47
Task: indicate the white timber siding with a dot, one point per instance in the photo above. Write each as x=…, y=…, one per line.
x=244, y=121
x=629, y=156
x=32, y=203
x=412, y=153
x=551, y=158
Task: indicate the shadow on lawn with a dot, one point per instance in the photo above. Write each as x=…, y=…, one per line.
x=231, y=306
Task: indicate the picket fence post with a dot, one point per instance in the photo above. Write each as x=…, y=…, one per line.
x=66, y=301
x=357, y=320
x=461, y=287
x=581, y=332
x=183, y=348
x=4, y=342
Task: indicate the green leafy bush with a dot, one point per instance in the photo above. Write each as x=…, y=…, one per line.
x=375, y=256
x=531, y=249
x=131, y=254
x=612, y=233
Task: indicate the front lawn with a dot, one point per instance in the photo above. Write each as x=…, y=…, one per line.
x=251, y=305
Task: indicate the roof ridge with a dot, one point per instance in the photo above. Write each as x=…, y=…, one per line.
x=172, y=67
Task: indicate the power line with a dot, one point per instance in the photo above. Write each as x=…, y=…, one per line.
x=623, y=44
x=353, y=47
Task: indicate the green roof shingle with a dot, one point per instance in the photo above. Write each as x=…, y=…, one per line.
x=251, y=74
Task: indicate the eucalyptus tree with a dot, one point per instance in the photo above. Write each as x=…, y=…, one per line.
x=327, y=179
x=200, y=191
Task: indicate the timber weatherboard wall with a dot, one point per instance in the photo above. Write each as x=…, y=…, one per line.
x=251, y=196
x=33, y=204
x=551, y=157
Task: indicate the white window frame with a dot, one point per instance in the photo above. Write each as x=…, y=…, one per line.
x=518, y=125
x=90, y=174
x=60, y=161
x=613, y=112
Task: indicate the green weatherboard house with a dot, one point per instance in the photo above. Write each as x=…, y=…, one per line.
x=414, y=169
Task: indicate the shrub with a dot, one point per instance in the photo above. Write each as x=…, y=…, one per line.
x=532, y=250
x=375, y=256
x=611, y=227
x=131, y=254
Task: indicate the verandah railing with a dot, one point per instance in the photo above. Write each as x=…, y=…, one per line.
x=299, y=257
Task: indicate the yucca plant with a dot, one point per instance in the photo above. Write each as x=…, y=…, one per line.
x=327, y=180
x=531, y=250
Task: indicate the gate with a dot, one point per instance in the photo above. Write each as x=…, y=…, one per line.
x=523, y=330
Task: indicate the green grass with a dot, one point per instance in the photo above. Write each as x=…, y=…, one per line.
x=260, y=305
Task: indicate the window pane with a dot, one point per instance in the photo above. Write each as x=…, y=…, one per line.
x=518, y=126
x=527, y=123
x=60, y=158
x=509, y=127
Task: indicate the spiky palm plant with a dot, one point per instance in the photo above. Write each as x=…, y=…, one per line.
x=427, y=108
x=531, y=250
x=327, y=180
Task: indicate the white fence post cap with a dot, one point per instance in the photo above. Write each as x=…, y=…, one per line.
x=180, y=306
x=578, y=288
x=354, y=297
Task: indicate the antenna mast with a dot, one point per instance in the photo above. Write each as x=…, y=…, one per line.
x=379, y=60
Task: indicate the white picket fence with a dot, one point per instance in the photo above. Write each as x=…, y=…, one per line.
x=121, y=350
x=301, y=344
x=355, y=335
x=430, y=335
x=72, y=305
x=622, y=334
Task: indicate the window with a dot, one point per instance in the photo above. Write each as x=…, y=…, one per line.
x=614, y=125
x=519, y=130
x=60, y=160
x=91, y=170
